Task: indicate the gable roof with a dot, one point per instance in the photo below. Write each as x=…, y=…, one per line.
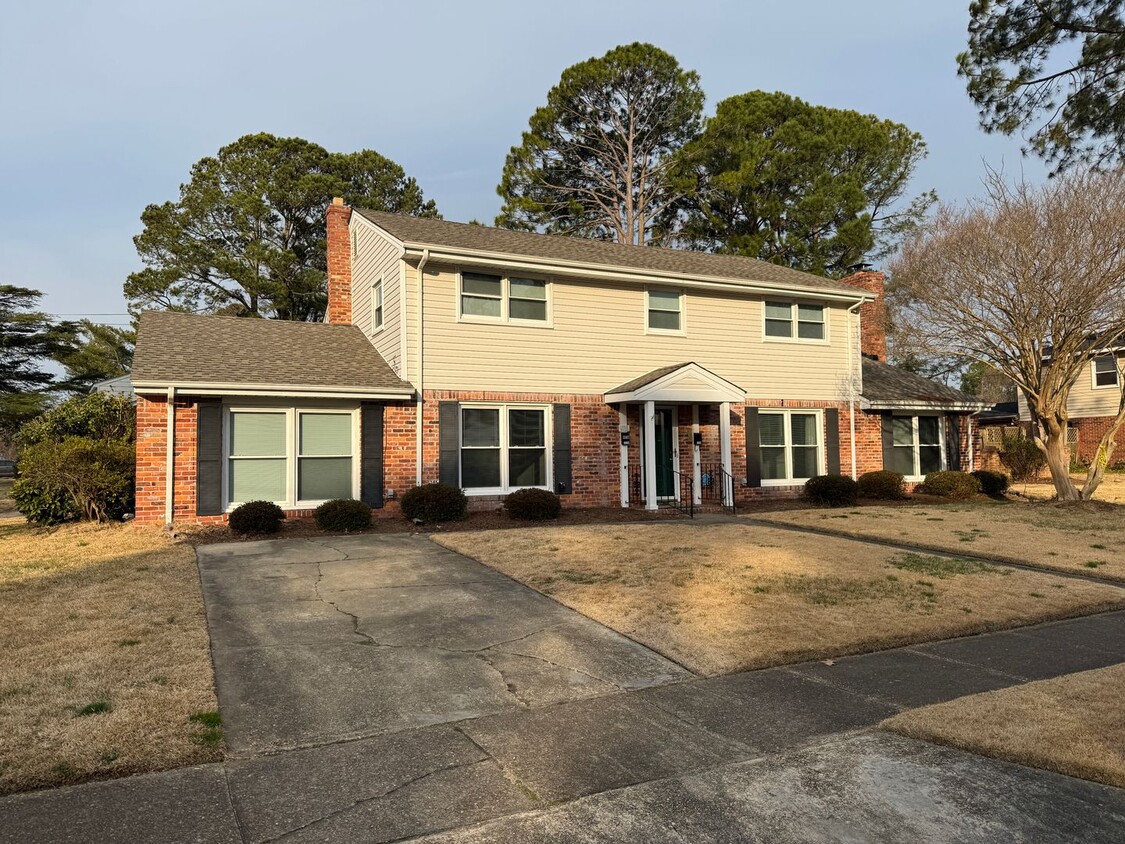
x=427, y=232
x=677, y=382
x=886, y=386
x=244, y=355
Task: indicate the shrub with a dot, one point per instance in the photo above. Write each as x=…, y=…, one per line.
x=533, y=505
x=884, y=484
x=956, y=485
x=344, y=514
x=992, y=483
x=1022, y=458
x=77, y=477
x=434, y=503
x=831, y=490
x=256, y=517
x=99, y=416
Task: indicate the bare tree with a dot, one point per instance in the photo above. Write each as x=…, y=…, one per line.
x=1030, y=280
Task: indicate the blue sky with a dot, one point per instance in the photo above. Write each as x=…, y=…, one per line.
x=106, y=105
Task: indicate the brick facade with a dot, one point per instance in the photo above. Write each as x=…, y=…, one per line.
x=1091, y=429
x=872, y=315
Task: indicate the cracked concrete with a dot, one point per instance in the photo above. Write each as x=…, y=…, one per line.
x=317, y=641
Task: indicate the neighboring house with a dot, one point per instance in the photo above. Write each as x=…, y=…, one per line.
x=496, y=360
x=1093, y=403
x=122, y=385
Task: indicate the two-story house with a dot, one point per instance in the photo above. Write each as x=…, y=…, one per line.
x=496, y=360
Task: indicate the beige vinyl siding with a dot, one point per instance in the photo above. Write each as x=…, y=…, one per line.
x=598, y=340
x=378, y=257
x=1085, y=400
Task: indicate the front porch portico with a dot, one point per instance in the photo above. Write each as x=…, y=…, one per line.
x=658, y=395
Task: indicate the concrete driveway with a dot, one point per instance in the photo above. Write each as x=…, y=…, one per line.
x=317, y=641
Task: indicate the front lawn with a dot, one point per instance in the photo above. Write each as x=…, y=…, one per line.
x=727, y=597
x=1086, y=537
x=106, y=662
x=1073, y=724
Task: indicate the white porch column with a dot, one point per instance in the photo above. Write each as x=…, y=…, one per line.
x=724, y=441
x=696, y=469
x=622, y=432
x=649, y=423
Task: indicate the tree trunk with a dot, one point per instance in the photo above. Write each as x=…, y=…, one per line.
x=1104, y=454
x=1058, y=461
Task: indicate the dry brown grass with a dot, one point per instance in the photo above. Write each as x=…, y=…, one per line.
x=1087, y=537
x=1073, y=724
x=94, y=616
x=727, y=597
x=1111, y=490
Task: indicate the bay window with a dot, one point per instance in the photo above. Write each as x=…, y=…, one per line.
x=503, y=448
x=790, y=443
x=293, y=457
x=916, y=445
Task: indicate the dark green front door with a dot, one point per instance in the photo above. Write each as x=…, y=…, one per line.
x=665, y=453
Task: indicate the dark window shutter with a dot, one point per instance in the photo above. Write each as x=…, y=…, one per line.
x=371, y=454
x=954, y=444
x=888, y=441
x=832, y=439
x=449, y=443
x=753, y=448
x=209, y=459
x=563, y=472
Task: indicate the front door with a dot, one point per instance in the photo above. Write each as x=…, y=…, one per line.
x=665, y=453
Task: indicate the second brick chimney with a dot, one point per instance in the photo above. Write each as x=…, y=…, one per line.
x=872, y=315
x=339, y=308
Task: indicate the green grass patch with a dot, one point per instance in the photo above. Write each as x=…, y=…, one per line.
x=210, y=723
x=940, y=567
x=97, y=707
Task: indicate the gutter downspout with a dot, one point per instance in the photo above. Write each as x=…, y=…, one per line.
x=418, y=415
x=852, y=385
x=170, y=458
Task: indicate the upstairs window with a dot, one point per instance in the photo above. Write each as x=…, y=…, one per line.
x=496, y=297
x=794, y=321
x=1105, y=371
x=377, y=306
x=665, y=311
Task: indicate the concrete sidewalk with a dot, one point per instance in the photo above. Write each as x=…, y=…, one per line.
x=777, y=755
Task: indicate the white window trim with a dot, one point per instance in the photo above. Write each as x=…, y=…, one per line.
x=917, y=446
x=377, y=300
x=548, y=440
x=1094, y=374
x=787, y=413
x=793, y=338
x=672, y=332
x=292, y=414
x=505, y=300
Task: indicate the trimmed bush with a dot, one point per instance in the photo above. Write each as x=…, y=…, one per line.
x=346, y=514
x=831, y=490
x=533, y=505
x=993, y=484
x=434, y=503
x=1022, y=458
x=884, y=485
x=956, y=485
x=75, y=478
x=256, y=517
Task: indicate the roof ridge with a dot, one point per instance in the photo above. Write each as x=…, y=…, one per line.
x=247, y=320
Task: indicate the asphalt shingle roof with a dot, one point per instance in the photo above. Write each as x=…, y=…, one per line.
x=426, y=231
x=885, y=383
x=647, y=378
x=174, y=348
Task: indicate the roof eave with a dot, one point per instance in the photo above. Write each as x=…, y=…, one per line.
x=451, y=254
x=207, y=388
x=919, y=404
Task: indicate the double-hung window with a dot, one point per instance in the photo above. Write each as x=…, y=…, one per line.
x=506, y=299
x=790, y=444
x=503, y=447
x=665, y=311
x=289, y=456
x=794, y=321
x=377, y=306
x=1105, y=371
x=916, y=445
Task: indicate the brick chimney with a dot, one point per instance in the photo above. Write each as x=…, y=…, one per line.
x=339, y=264
x=872, y=315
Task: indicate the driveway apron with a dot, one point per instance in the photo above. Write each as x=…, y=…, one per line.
x=318, y=641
